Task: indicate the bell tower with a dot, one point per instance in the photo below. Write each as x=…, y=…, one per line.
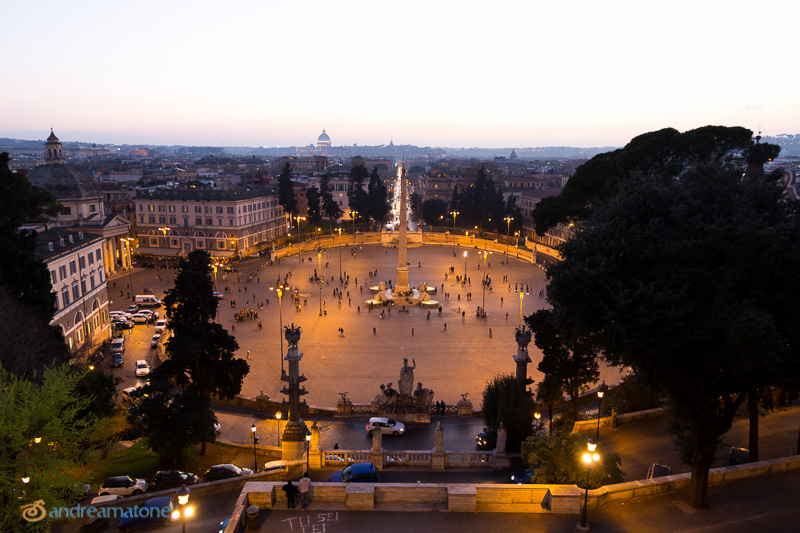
x=53, y=151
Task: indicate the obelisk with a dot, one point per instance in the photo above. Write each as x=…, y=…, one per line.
x=402, y=287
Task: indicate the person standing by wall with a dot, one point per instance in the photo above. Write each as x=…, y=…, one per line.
x=304, y=486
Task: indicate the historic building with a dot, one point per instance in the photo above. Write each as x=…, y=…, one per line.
x=77, y=273
x=225, y=223
x=83, y=206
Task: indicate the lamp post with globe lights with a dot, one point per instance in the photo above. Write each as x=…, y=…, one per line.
x=600, y=393
x=508, y=231
x=280, y=316
x=278, y=418
x=255, y=441
x=454, y=213
x=184, y=511
x=465, y=266
x=129, y=241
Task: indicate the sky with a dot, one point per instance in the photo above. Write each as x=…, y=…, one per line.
x=443, y=73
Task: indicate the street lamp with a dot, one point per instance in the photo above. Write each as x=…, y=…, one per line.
x=340, y=253
x=308, y=450
x=353, y=215
x=483, y=305
x=521, y=296
x=600, y=393
x=454, y=213
x=298, y=219
x=508, y=231
x=164, y=229
x=26, y=478
x=278, y=418
x=465, y=266
x=588, y=458
x=255, y=441
x=185, y=510
x=319, y=281
x=128, y=241
x=233, y=244
x=280, y=315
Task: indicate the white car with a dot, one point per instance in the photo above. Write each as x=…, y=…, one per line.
x=121, y=314
x=140, y=318
x=142, y=368
x=122, y=486
x=152, y=314
x=387, y=426
x=154, y=340
x=161, y=325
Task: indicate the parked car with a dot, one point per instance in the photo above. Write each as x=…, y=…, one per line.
x=149, y=312
x=225, y=471
x=161, y=325
x=142, y=368
x=387, y=426
x=132, y=395
x=276, y=466
x=117, y=359
x=118, y=345
x=123, y=486
x=223, y=525
x=133, y=308
x=154, y=512
x=525, y=477
x=124, y=315
x=171, y=479
x=122, y=324
x=154, y=340
x=738, y=456
x=356, y=473
x=657, y=470
x=219, y=295
x=140, y=318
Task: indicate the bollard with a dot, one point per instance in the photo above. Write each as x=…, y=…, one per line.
x=252, y=518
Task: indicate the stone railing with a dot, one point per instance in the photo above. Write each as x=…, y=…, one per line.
x=470, y=459
x=344, y=457
x=407, y=458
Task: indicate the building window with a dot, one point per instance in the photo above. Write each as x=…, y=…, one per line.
x=198, y=221
x=185, y=222
x=184, y=209
x=198, y=209
x=91, y=280
x=62, y=272
x=98, y=255
x=172, y=220
x=174, y=242
x=154, y=242
x=221, y=245
x=209, y=222
x=161, y=208
x=150, y=207
x=219, y=210
x=141, y=219
x=171, y=209
x=219, y=222
x=83, y=286
x=162, y=220
x=231, y=211
x=66, y=211
x=199, y=244
x=152, y=219
x=80, y=334
x=92, y=208
x=65, y=296
x=209, y=209
x=231, y=222
x=53, y=279
x=82, y=262
x=91, y=258
x=76, y=292
x=73, y=268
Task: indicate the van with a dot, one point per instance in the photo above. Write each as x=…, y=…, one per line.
x=147, y=300
x=118, y=345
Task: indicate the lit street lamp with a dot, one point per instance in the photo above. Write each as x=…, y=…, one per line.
x=483, y=305
x=278, y=418
x=340, y=253
x=600, y=392
x=128, y=241
x=508, y=230
x=454, y=213
x=184, y=510
x=521, y=296
x=588, y=458
x=465, y=266
x=308, y=450
x=255, y=441
x=280, y=315
x=353, y=215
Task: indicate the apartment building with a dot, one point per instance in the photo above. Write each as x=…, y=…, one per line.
x=225, y=223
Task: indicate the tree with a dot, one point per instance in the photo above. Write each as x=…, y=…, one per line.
x=505, y=401
x=683, y=280
x=330, y=208
x=286, y=197
x=572, y=364
x=100, y=387
x=24, y=279
x=549, y=393
x=42, y=435
x=314, y=210
x=378, y=197
x=556, y=459
x=433, y=211
x=201, y=353
x=357, y=197
x=662, y=154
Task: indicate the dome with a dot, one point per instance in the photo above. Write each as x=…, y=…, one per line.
x=323, y=139
x=64, y=181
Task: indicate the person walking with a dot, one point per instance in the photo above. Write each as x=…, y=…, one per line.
x=374, y=331
x=291, y=492
x=412, y=332
x=445, y=326
x=305, y=486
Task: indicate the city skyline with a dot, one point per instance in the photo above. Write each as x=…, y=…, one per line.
x=445, y=74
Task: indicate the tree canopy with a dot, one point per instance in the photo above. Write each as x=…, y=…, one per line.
x=286, y=196
x=330, y=207
x=434, y=211
x=683, y=276
x=378, y=197
x=314, y=208
x=504, y=401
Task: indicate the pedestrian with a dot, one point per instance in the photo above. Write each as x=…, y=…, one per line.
x=374, y=331
x=233, y=327
x=490, y=333
x=412, y=332
x=248, y=354
x=445, y=326
x=305, y=486
x=290, y=491
x=429, y=315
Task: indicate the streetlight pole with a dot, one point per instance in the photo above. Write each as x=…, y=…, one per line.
x=521, y=296
x=278, y=418
x=320, y=296
x=308, y=450
x=280, y=315
x=600, y=393
x=128, y=241
x=483, y=305
x=508, y=231
x=588, y=458
x=255, y=441
x=454, y=213
x=353, y=215
x=184, y=510
x=465, y=266
x=340, y=254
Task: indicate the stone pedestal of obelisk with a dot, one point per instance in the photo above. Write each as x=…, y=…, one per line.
x=402, y=287
x=523, y=338
x=293, y=441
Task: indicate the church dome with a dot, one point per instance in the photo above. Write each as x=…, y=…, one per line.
x=323, y=139
x=64, y=181
x=52, y=137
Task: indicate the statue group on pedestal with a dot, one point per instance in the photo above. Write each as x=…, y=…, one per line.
x=390, y=399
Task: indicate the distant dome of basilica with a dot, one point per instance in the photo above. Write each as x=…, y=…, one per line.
x=323, y=140
x=64, y=181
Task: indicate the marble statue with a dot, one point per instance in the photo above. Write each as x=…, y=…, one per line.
x=377, y=441
x=406, y=382
x=314, y=436
x=438, y=438
x=423, y=396
x=501, y=439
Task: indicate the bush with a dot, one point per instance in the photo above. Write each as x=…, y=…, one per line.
x=631, y=395
x=505, y=401
x=557, y=459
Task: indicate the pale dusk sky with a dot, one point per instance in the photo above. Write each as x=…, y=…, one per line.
x=431, y=73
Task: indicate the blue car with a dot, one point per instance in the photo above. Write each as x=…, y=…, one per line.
x=154, y=512
x=357, y=473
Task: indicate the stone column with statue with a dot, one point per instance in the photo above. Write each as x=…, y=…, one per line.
x=294, y=434
x=521, y=358
x=438, y=461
